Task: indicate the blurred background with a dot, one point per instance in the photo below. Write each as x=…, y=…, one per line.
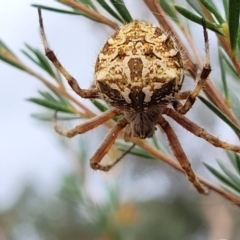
x=47, y=189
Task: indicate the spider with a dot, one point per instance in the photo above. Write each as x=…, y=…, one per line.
x=139, y=72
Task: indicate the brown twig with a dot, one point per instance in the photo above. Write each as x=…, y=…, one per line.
x=98, y=17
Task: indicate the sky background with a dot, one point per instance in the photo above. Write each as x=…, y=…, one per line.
x=29, y=150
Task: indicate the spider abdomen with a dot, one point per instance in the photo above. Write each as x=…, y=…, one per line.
x=140, y=66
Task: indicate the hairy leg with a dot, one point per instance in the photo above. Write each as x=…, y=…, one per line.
x=86, y=126
x=202, y=78
x=106, y=145
x=198, y=131
x=84, y=93
x=180, y=155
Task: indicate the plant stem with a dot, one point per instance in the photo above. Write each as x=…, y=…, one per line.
x=98, y=17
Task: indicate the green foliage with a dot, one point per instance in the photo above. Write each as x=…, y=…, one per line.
x=229, y=178
x=213, y=9
x=122, y=10
x=235, y=160
x=109, y=9
x=198, y=19
x=54, y=101
x=122, y=14
x=220, y=114
x=7, y=56
x=100, y=105
x=75, y=12
x=223, y=75
x=233, y=22
x=169, y=9
x=139, y=152
x=50, y=102
x=41, y=60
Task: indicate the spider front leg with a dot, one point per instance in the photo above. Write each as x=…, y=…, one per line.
x=198, y=131
x=84, y=93
x=106, y=145
x=88, y=125
x=202, y=78
x=180, y=155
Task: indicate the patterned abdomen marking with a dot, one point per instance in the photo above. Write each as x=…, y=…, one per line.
x=139, y=67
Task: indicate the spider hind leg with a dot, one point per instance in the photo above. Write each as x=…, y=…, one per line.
x=105, y=147
x=181, y=156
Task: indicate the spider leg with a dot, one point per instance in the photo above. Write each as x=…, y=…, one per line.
x=106, y=145
x=183, y=95
x=202, y=78
x=198, y=131
x=84, y=93
x=109, y=166
x=180, y=155
x=86, y=126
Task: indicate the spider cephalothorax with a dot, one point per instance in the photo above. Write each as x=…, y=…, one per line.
x=139, y=70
